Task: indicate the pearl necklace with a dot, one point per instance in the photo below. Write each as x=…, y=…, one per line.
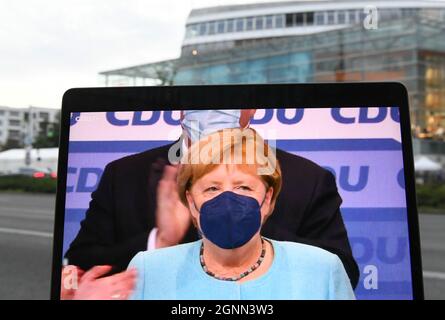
x=242, y=275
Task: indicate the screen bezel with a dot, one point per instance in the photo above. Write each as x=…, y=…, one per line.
x=267, y=96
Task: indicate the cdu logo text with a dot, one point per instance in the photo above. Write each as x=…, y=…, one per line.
x=283, y=116
x=74, y=118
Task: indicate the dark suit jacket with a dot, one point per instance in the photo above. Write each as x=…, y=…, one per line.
x=122, y=211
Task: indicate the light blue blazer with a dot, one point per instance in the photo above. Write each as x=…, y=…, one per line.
x=298, y=271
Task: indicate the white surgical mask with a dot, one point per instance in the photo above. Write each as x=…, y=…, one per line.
x=198, y=123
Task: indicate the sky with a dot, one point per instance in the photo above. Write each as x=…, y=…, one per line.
x=49, y=46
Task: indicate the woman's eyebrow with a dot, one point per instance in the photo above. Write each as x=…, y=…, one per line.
x=217, y=182
x=241, y=181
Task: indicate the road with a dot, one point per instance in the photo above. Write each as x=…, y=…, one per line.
x=432, y=239
x=26, y=223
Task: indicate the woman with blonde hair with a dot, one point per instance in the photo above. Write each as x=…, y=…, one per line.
x=230, y=181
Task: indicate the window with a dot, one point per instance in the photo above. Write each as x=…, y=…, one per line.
x=352, y=15
x=279, y=21
x=230, y=25
x=221, y=25
x=299, y=18
x=341, y=17
x=395, y=13
x=13, y=122
x=249, y=23
x=331, y=17
x=259, y=23
x=14, y=134
x=188, y=32
x=289, y=20
x=202, y=29
x=406, y=12
x=44, y=116
x=269, y=22
x=2, y=112
x=309, y=18
x=193, y=30
x=361, y=15
x=211, y=28
x=239, y=23
x=14, y=113
x=319, y=18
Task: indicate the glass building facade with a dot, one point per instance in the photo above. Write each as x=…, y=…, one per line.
x=277, y=68
x=408, y=46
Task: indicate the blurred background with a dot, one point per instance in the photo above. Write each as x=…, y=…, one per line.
x=50, y=46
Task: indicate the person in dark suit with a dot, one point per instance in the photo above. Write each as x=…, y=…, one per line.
x=136, y=207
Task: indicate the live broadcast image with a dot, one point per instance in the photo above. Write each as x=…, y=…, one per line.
x=350, y=201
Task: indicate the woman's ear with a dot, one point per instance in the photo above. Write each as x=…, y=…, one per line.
x=266, y=209
x=191, y=204
x=192, y=208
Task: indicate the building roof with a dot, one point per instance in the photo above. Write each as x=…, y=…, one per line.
x=43, y=153
x=423, y=163
x=34, y=108
x=224, y=11
x=315, y=4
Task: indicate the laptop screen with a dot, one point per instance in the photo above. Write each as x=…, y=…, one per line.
x=361, y=147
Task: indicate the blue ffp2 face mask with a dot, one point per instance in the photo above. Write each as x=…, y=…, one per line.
x=198, y=123
x=230, y=220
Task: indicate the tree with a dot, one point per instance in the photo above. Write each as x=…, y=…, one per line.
x=11, y=144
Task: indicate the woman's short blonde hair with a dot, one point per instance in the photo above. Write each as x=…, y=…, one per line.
x=242, y=147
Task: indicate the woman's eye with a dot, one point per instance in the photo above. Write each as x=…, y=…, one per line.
x=211, y=189
x=245, y=188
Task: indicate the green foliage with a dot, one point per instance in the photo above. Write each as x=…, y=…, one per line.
x=11, y=144
x=27, y=184
x=431, y=197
